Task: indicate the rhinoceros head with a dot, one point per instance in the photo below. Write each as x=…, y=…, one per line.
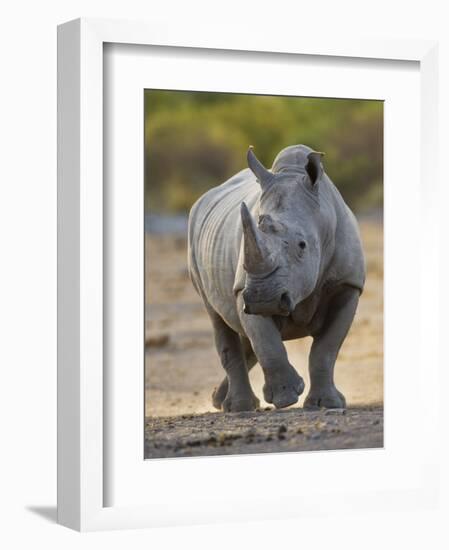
x=282, y=247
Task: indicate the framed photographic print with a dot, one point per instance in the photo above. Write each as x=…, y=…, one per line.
x=211, y=293
x=231, y=299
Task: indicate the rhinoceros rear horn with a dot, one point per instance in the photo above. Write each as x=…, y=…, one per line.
x=313, y=167
x=257, y=258
x=264, y=176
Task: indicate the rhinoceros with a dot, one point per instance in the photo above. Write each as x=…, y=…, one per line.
x=276, y=255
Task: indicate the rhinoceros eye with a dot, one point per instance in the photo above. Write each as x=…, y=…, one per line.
x=266, y=222
x=302, y=245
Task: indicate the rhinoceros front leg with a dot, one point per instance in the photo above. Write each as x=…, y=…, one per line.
x=239, y=396
x=325, y=348
x=283, y=385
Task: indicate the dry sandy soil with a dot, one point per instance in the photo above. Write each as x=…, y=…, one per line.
x=182, y=369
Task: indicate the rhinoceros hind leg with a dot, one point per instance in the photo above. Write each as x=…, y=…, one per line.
x=238, y=404
x=219, y=393
x=239, y=395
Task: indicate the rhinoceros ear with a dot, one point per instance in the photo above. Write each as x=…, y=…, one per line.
x=264, y=176
x=314, y=167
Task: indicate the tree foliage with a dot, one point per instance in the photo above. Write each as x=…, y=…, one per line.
x=196, y=140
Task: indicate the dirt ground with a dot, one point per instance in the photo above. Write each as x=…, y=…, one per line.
x=182, y=369
x=263, y=432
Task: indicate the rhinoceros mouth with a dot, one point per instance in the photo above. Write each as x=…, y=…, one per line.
x=279, y=304
x=265, y=309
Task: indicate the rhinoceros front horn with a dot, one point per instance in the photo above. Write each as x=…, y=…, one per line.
x=264, y=176
x=257, y=257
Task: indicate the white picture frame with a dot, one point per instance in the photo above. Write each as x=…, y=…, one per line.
x=82, y=488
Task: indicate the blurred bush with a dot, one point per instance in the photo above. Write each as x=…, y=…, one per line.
x=197, y=140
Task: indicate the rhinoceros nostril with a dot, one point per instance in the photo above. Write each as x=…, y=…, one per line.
x=285, y=302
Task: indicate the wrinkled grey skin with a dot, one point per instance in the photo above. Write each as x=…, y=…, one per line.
x=276, y=255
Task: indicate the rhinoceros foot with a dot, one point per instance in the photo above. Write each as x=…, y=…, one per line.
x=329, y=398
x=239, y=403
x=219, y=394
x=283, y=388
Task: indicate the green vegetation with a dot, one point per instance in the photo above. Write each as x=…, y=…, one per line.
x=196, y=140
